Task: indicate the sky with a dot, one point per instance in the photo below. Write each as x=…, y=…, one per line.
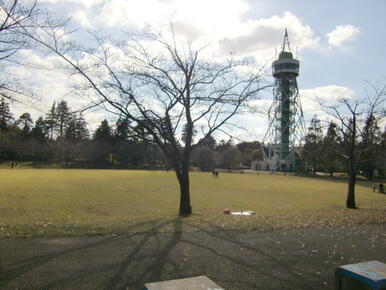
x=340, y=45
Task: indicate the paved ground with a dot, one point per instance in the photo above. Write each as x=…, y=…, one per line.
x=270, y=259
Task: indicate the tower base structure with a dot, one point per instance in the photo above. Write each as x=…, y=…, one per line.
x=273, y=165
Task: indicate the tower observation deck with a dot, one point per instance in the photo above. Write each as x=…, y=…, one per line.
x=286, y=123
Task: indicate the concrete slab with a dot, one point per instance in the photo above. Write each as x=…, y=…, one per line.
x=193, y=283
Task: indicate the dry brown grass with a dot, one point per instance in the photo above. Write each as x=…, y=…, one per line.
x=70, y=202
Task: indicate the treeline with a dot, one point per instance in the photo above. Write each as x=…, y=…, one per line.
x=62, y=137
x=324, y=152
x=226, y=154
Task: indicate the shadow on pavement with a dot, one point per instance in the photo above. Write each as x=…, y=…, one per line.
x=273, y=259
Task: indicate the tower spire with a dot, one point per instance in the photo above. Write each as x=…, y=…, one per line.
x=286, y=42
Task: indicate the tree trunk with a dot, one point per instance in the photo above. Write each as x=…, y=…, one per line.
x=350, y=203
x=371, y=173
x=185, y=208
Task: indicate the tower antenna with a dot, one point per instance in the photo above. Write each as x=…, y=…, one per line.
x=286, y=42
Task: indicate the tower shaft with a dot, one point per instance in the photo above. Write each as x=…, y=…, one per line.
x=285, y=88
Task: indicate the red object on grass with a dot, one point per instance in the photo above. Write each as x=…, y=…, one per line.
x=227, y=211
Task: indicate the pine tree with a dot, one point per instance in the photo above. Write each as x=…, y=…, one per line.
x=63, y=117
x=103, y=143
x=330, y=151
x=123, y=131
x=76, y=130
x=40, y=130
x=372, y=153
x=209, y=142
x=51, y=120
x=381, y=148
x=6, y=116
x=313, y=143
x=103, y=132
x=25, y=122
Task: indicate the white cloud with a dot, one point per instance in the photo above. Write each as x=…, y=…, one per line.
x=42, y=76
x=327, y=93
x=254, y=127
x=342, y=34
x=124, y=13
x=86, y=3
x=267, y=33
x=218, y=22
x=83, y=18
x=203, y=15
x=312, y=99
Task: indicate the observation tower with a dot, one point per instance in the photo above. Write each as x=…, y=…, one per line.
x=285, y=116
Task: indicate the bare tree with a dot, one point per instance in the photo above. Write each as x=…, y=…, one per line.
x=15, y=18
x=355, y=121
x=163, y=86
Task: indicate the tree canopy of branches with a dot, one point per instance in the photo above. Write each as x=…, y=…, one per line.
x=355, y=122
x=162, y=85
x=15, y=18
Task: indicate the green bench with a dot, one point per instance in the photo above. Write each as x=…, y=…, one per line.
x=361, y=276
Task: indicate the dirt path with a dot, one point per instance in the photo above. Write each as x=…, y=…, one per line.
x=271, y=259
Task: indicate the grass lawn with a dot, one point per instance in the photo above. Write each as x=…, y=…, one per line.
x=37, y=202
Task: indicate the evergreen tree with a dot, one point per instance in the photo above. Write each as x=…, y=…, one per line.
x=103, y=132
x=372, y=153
x=40, y=130
x=63, y=117
x=223, y=145
x=381, y=160
x=330, y=150
x=6, y=116
x=123, y=131
x=103, y=144
x=209, y=142
x=313, y=144
x=76, y=130
x=141, y=134
x=122, y=146
x=25, y=123
x=51, y=120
